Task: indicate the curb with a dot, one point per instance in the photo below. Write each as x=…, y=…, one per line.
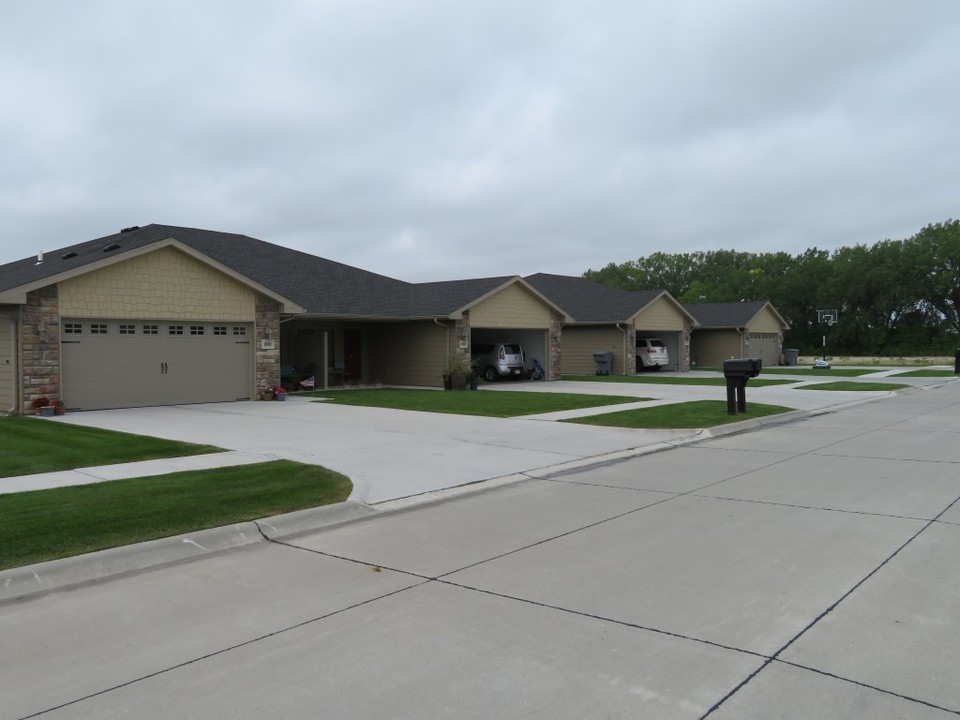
x=30, y=581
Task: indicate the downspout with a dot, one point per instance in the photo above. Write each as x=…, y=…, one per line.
x=624, y=331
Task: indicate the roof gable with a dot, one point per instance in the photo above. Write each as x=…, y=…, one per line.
x=732, y=314
x=591, y=302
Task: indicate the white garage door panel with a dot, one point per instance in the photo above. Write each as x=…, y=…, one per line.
x=128, y=365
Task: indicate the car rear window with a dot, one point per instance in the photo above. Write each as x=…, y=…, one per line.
x=656, y=343
x=511, y=349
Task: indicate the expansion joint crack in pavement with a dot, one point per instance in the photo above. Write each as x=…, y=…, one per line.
x=215, y=653
x=826, y=612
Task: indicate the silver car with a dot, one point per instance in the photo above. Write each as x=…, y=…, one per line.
x=498, y=360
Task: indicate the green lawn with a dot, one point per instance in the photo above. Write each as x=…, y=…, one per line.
x=855, y=386
x=841, y=372
x=655, y=379
x=506, y=403
x=926, y=373
x=698, y=414
x=30, y=445
x=48, y=524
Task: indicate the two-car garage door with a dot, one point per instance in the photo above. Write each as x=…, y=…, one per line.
x=136, y=363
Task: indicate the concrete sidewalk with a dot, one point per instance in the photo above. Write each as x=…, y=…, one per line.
x=801, y=571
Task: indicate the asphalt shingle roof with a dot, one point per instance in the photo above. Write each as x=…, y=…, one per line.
x=725, y=315
x=318, y=285
x=588, y=301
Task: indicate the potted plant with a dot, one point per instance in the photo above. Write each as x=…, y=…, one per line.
x=267, y=393
x=458, y=369
x=279, y=392
x=59, y=407
x=42, y=405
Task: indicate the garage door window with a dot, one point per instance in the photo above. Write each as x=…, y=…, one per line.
x=219, y=329
x=150, y=330
x=72, y=329
x=239, y=330
x=98, y=328
x=175, y=329
x=196, y=329
x=128, y=329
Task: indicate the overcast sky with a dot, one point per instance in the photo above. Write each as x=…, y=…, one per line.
x=437, y=139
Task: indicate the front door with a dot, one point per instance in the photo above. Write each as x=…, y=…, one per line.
x=352, y=362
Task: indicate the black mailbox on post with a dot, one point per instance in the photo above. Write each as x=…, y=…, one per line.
x=737, y=372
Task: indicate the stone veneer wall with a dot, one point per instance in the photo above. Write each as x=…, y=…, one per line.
x=462, y=336
x=40, y=346
x=267, y=328
x=556, y=327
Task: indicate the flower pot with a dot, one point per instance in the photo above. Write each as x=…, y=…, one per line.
x=59, y=410
x=458, y=382
x=266, y=396
x=281, y=396
x=47, y=411
x=447, y=382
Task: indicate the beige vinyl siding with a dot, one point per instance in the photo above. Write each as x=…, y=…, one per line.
x=413, y=353
x=162, y=284
x=661, y=315
x=765, y=322
x=8, y=367
x=580, y=343
x=712, y=347
x=512, y=307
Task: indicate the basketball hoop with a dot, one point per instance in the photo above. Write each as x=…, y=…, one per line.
x=828, y=317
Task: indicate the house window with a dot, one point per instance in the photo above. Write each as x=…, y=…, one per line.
x=98, y=328
x=128, y=329
x=239, y=330
x=219, y=329
x=196, y=329
x=72, y=328
x=175, y=329
x=150, y=330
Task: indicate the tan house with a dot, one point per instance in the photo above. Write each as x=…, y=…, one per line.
x=608, y=319
x=164, y=315
x=737, y=329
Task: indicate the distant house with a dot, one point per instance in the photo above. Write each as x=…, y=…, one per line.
x=164, y=315
x=601, y=318
x=736, y=329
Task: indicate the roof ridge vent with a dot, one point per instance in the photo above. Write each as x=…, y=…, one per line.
x=68, y=255
x=130, y=229
x=111, y=247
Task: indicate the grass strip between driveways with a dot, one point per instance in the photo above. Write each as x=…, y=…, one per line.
x=31, y=445
x=925, y=373
x=667, y=380
x=45, y=525
x=697, y=414
x=855, y=386
x=464, y=402
x=821, y=372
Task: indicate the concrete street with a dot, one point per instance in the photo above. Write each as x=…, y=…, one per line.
x=805, y=570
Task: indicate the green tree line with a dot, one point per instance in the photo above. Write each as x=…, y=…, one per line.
x=893, y=298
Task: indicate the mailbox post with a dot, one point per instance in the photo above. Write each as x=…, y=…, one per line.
x=737, y=372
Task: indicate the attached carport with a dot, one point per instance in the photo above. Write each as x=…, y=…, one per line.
x=605, y=319
x=517, y=313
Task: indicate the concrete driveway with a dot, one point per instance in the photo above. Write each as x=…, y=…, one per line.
x=392, y=454
x=799, y=571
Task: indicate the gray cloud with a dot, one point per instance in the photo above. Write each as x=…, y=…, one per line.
x=434, y=140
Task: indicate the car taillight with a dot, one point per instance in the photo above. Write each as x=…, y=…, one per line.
x=501, y=354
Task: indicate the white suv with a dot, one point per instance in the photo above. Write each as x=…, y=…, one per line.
x=651, y=353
